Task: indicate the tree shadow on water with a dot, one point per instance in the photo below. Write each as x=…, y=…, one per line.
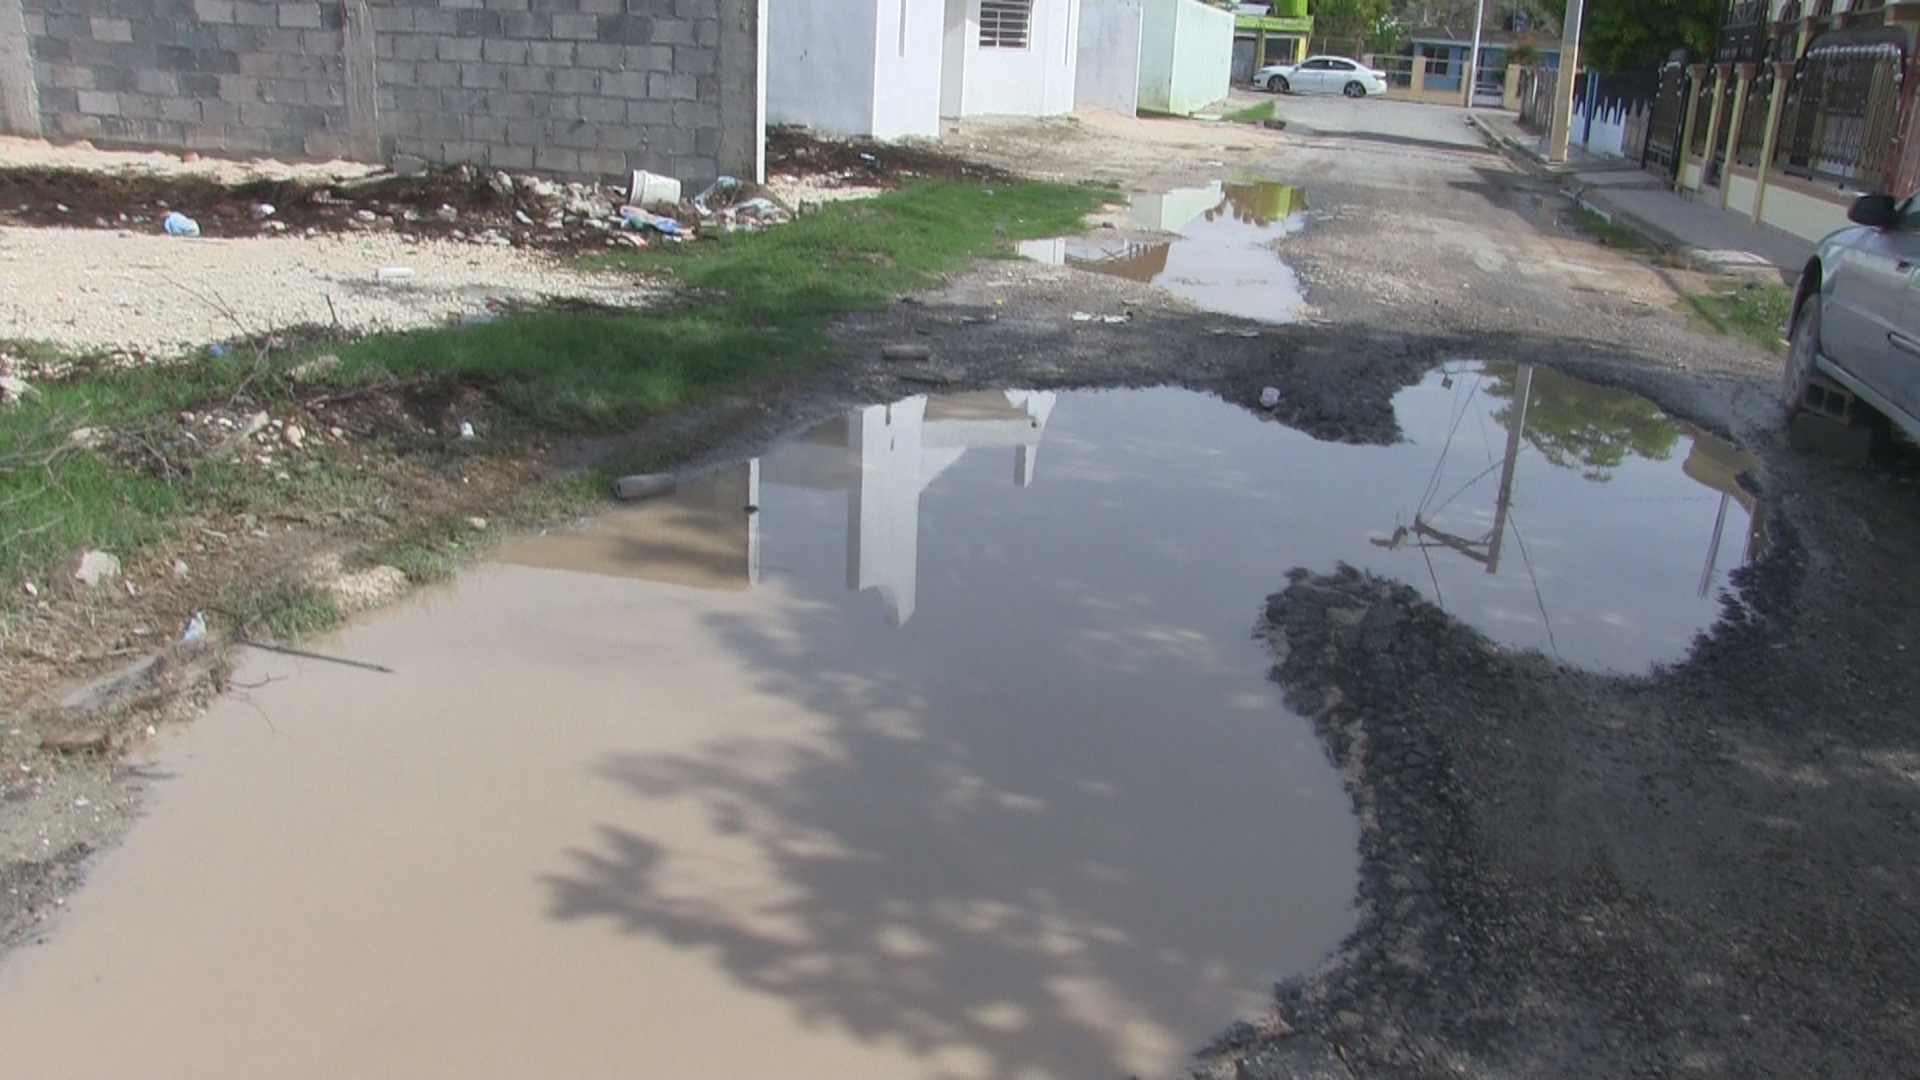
x=1030, y=872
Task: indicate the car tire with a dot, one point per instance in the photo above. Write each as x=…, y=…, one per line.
x=1278, y=84
x=1802, y=349
x=1355, y=90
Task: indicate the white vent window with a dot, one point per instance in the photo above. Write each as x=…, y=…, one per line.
x=1005, y=24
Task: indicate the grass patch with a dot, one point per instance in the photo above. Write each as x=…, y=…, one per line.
x=1252, y=114
x=290, y=612
x=1759, y=313
x=1611, y=234
x=759, y=304
x=58, y=497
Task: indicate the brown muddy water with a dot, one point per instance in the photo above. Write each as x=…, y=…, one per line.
x=1217, y=246
x=953, y=757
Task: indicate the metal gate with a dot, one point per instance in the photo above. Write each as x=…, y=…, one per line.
x=1669, y=116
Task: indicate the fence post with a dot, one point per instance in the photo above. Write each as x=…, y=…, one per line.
x=1417, y=75
x=1782, y=78
x=1742, y=85
x=1696, y=74
x=1713, y=130
x=19, y=94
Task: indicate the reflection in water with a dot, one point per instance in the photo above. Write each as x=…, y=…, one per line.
x=1224, y=258
x=1596, y=452
x=1573, y=426
x=881, y=458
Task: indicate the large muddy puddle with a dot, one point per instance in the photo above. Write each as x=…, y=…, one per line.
x=932, y=743
x=1216, y=246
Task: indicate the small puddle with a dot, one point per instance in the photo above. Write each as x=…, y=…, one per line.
x=1223, y=256
x=953, y=757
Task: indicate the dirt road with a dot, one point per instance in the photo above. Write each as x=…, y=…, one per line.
x=1708, y=871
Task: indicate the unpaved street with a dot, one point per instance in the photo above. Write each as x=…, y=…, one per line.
x=954, y=720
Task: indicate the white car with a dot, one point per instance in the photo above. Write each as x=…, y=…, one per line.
x=1322, y=75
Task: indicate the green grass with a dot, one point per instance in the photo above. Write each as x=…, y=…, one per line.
x=754, y=305
x=758, y=304
x=1252, y=114
x=290, y=612
x=1759, y=313
x=57, y=499
x=1615, y=236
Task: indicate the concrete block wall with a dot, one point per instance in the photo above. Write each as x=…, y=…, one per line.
x=568, y=87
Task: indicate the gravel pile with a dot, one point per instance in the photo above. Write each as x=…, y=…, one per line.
x=159, y=296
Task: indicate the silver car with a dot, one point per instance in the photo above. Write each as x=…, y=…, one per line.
x=1856, y=318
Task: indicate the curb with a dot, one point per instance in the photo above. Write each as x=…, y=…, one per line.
x=1694, y=257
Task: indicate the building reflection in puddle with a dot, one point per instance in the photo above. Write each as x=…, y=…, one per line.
x=1222, y=257
x=883, y=457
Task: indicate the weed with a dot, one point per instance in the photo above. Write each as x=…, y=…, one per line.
x=1757, y=312
x=289, y=613
x=1252, y=114
x=1611, y=234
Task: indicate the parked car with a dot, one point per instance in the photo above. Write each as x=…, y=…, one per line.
x=1856, y=318
x=1322, y=75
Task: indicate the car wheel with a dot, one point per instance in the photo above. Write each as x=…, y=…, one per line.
x=1278, y=84
x=1355, y=90
x=1801, y=353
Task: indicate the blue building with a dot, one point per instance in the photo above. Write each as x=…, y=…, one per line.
x=1445, y=56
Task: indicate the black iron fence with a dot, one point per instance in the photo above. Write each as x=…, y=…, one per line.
x=1842, y=108
x=1753, y=119
x=1663, y=125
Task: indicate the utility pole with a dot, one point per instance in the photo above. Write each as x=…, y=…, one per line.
x=1563, y=89
x=1473, y=58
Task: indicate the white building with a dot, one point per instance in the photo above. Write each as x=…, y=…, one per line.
x=891, y=68
x=882, y=458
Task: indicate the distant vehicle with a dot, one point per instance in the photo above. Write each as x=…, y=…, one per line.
x=1856, y=318
x=1322, y=75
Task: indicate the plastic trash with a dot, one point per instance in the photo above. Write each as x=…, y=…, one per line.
x=643, y=486
x=758, y=206
x=393, y=273
x=721, y=185
x=179, y=224
x=196, y=629
x=466, y=429
x=633, y=217
x=1270, y=397
x=264, y=210
x=652, y=189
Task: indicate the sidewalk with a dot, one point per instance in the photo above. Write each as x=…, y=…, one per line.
x=1693, y=226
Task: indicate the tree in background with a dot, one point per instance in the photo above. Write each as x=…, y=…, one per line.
x=1630, y=35
x=1346, y=19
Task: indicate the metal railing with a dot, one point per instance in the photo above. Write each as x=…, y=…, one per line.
x=1842, y=108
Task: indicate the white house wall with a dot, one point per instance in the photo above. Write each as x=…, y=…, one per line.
x=908, y=51
x=820, y=63
x=1109, y=65
x=1035, y=81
